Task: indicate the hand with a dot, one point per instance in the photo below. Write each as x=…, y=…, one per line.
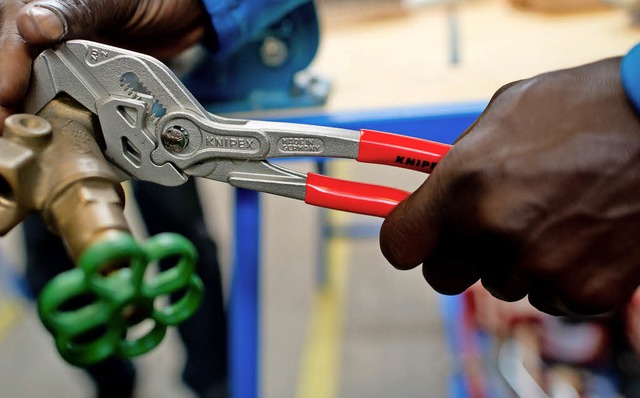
x=541, y=196
x=161, y=28
x=632, y=321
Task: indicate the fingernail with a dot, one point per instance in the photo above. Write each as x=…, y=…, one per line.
x=48, y=22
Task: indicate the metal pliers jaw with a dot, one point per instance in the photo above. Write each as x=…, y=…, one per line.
x=115, y=85
x=155, y=130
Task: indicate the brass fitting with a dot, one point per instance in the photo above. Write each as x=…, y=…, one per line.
x=52, y=164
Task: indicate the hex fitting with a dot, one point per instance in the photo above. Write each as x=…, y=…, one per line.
x=52, y=164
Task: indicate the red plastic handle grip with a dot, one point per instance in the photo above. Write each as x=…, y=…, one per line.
x=400, y=151
x=354, y=197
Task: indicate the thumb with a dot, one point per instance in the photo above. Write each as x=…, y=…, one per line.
x=46, y=22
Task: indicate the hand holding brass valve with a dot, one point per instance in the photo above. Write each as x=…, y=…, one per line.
x=52, y=164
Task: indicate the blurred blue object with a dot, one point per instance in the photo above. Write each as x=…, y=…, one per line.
x=267, y=73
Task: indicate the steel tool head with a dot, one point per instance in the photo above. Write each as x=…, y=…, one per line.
x=129, y=92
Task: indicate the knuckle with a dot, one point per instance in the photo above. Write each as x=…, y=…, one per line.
x=467, y=188
x=471, y=201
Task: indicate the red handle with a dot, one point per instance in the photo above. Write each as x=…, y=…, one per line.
x=354, y=197
x=400, y=151
x=379, y=148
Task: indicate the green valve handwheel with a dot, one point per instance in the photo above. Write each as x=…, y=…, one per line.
x=91, y=309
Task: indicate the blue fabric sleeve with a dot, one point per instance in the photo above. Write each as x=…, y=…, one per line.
x=630, y=75
x=238, y=21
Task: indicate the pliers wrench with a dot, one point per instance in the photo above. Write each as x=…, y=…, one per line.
x=153, y=129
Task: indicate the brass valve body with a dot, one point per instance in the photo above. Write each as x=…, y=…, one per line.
x=52, y=164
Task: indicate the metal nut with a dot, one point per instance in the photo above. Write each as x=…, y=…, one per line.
x=274, y=52
x=175, y=138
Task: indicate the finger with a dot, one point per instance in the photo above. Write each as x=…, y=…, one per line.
x=410, y=232
x=40, y=25
x=588, y=296
x=505, y=285
x=43, y=22
x=5, y=112
x=15, y=69
x=161, y=47
x=498, y=257
x=588, y=278
x=553, y=304
x=447, y=273
x=545, y=301
x=159, y=28
x=462, y=258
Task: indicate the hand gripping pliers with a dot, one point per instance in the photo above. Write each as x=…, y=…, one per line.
x=154, y=130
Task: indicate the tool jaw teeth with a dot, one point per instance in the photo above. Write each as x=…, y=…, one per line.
x=134, y=89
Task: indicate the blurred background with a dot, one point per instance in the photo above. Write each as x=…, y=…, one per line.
x=362, y=329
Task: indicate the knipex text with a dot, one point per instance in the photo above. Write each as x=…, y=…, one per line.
x=418, y=163
x=242, y=143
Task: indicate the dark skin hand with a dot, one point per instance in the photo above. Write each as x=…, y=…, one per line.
x=540, y=197
x=161, y=28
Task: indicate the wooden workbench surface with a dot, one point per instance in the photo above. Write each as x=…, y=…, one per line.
x=393, y=59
